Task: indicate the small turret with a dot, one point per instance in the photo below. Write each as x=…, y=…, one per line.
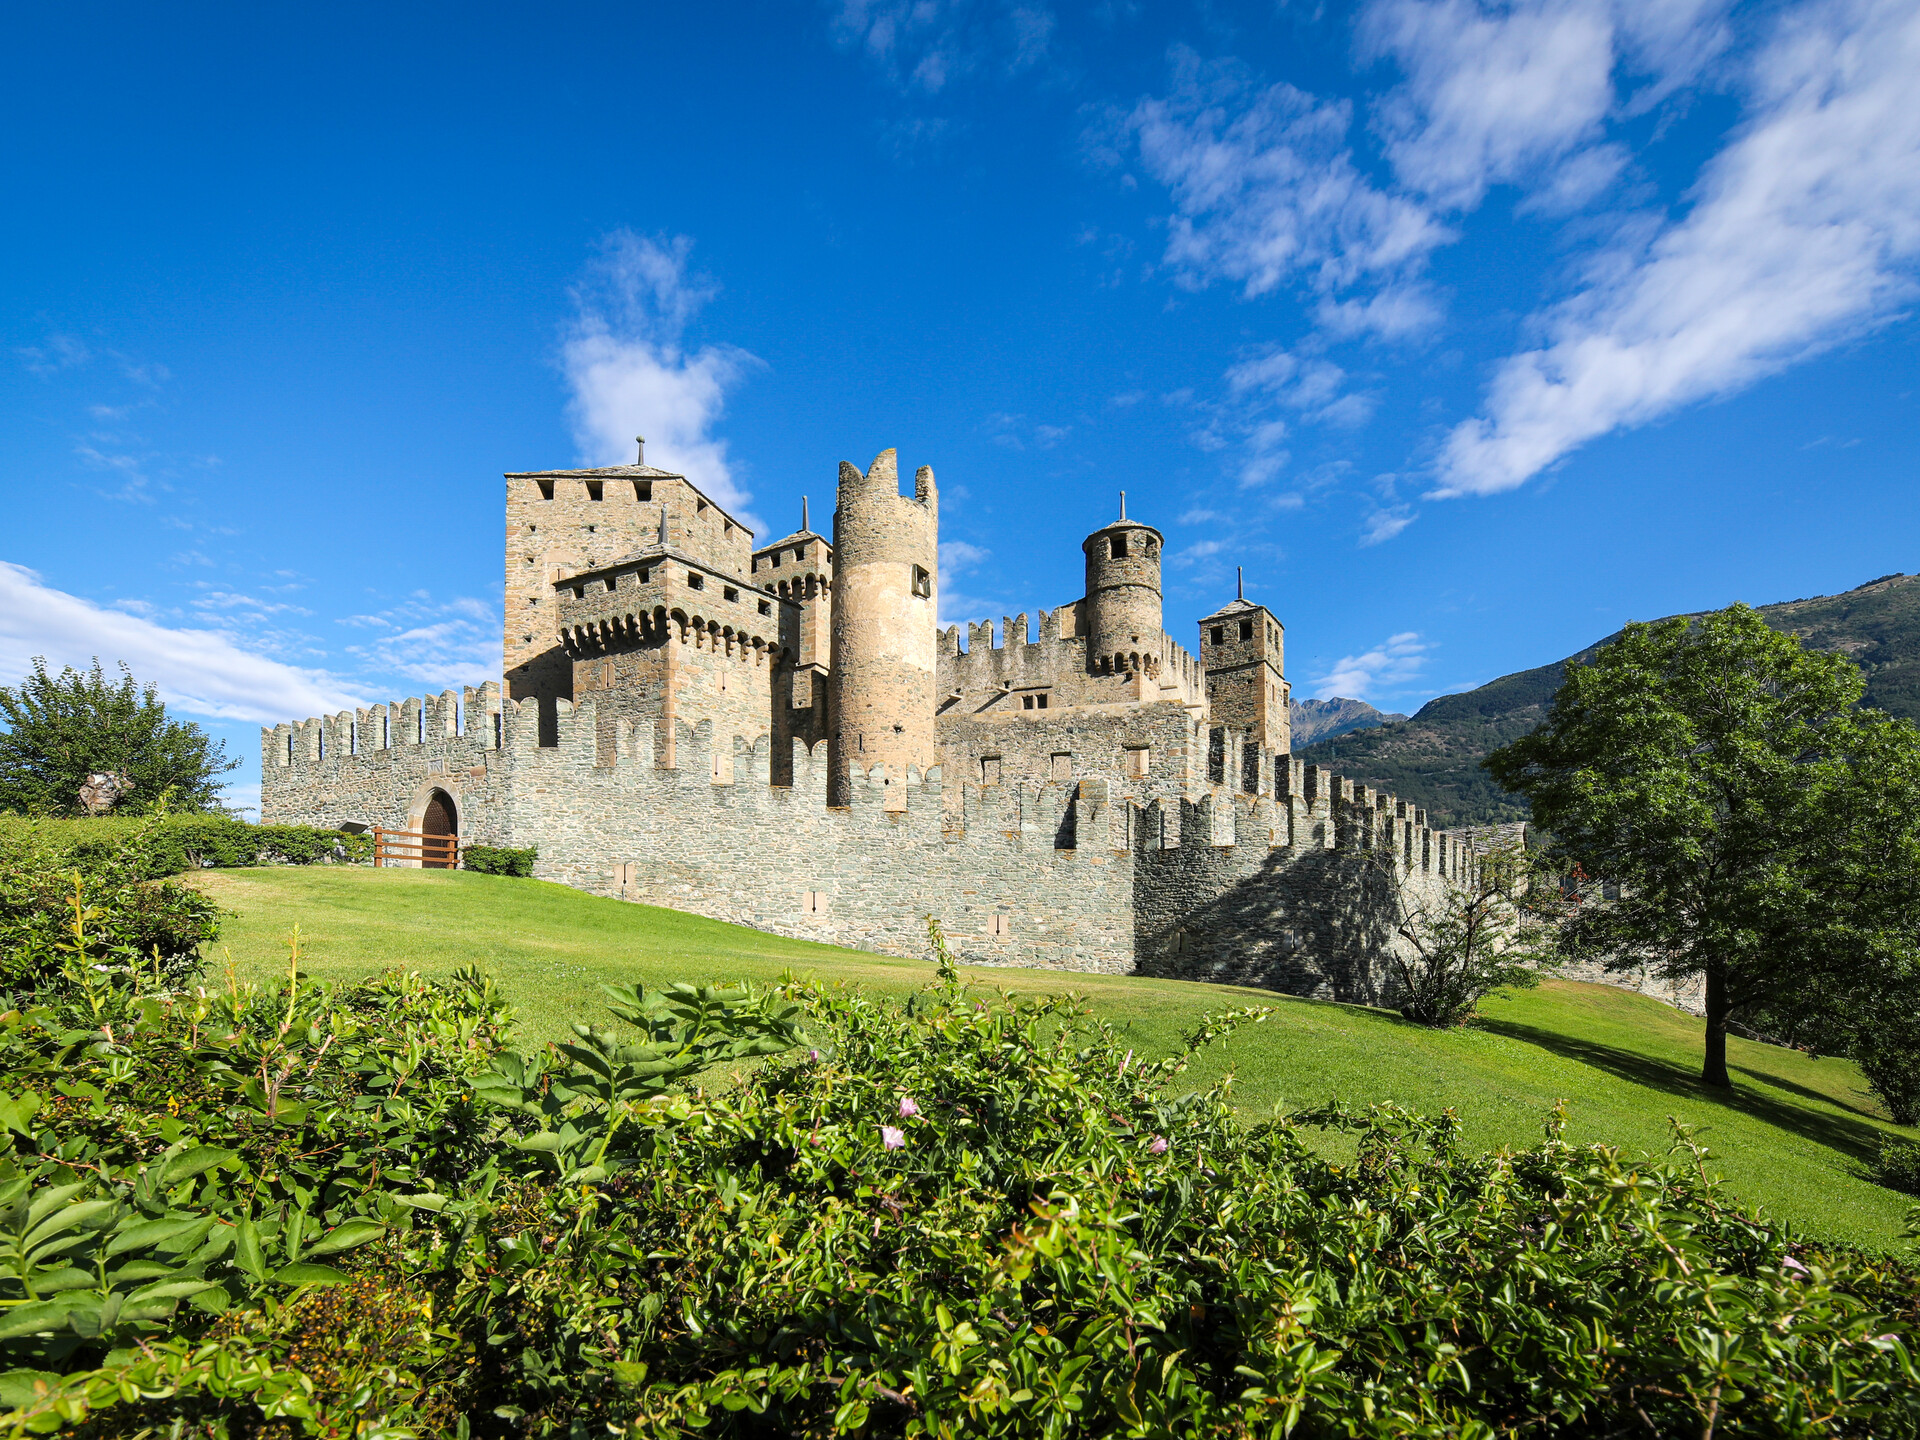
x=1123, y=594
x=1243, y=654
x=885, y=599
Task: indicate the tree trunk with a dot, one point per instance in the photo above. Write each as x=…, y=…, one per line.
x=1714, y=1072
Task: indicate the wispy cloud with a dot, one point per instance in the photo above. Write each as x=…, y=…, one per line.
x=1383, y=525
x=958, y=604
x=1391, y=665
x=630, y=373
x=1521, y=93
x=924, y=45
x=1802, y=233
x=200, y=671
x=436, y=643
x=1266, y=193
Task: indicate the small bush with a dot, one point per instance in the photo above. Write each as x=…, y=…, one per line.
x=1898, y=1167
x=501, y=859
x=80, y=915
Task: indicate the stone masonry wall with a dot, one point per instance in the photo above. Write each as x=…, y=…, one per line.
x=379, y=766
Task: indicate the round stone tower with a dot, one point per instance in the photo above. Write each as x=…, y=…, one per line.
x=886, y=551
x=1123, y=594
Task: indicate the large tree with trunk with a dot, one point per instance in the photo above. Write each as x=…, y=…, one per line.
x=62, y=728
x=1755, y=827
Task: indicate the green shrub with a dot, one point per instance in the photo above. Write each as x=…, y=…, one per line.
x=961, y=1217
x=500, y=859
x=1898, y=1167
x=81, y=915
x=176, y=843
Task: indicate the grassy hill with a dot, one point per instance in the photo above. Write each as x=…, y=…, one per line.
x=1434, y=758
x=1793, y=1135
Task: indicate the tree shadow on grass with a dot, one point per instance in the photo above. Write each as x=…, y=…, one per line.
x=1856, y=1138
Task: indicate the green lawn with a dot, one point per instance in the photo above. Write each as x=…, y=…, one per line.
x=1793, y=1135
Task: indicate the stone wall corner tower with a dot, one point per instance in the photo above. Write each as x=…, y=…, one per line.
x=885, y=646
x=1123, y=595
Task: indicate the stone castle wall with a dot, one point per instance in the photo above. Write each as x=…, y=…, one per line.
x=1098, y=871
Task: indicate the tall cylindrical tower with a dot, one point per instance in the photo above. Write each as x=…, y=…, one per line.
x=886, y=551
x=1123, y=593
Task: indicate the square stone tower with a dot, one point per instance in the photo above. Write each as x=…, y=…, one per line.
x=561, y=522
x=1242, y=654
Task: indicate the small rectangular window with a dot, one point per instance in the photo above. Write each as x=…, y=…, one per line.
x=613, y=582
x=730, y=593
x=999, y=926
x=766, y=607
x=1246, y=629
x=1040, y=702
x=1026, y=702
x=641, y=578
x=696, y=582
x=799, y=554
x=776, y=559
x=1219, y=634
x=1139, y=761
x=701, y=508
x=579, y=592
x=922, y=582
x=1119, y=547
x=546, y=489
x=643, y=490
x=596, y=490
x=989, y=768
x=726, y=529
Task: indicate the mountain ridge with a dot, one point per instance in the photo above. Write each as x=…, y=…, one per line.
x=1432, y=758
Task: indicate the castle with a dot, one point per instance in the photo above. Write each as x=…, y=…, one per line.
x=782, y=736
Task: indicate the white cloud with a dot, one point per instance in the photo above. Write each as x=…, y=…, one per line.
x=1802, y=233
x=1521, y=92
x=1383, y=525
x=924, y=44
x=201, y=672
x=1390, y=665
x=630, y=374
x=1266, y=192
x=957, y=557
x=439, y=644
x=957, y=606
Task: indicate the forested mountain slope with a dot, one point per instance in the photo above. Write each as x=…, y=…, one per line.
x=1433, y=759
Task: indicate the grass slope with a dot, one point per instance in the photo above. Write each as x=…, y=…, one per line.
x=1793, y=1135
x=1433, y=760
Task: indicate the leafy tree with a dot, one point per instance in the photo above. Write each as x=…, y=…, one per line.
x=1763, y=830
x=61, y=729
x=1471, y=937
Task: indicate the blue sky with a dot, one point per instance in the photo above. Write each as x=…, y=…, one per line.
x=1470, y=330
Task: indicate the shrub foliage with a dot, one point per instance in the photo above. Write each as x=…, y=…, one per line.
x=500, y=859
x=311, y=1210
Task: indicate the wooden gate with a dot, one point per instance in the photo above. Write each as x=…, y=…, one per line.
x=415, y=848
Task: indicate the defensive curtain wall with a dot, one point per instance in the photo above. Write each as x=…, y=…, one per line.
x=1273, y=885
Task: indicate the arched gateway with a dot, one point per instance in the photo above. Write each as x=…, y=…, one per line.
x=441, y=818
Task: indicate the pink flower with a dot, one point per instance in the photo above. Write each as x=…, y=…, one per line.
x=1794, y=1265
x=1159, y=1145
x=893, y=1138
x=813, y=1054
x=907, y=1108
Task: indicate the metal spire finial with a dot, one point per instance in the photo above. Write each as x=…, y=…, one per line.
x=803, y=514
x=1239, y=582
x=641, y=441
x=1123, y=504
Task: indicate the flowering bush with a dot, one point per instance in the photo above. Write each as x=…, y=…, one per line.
x=969, y=1215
